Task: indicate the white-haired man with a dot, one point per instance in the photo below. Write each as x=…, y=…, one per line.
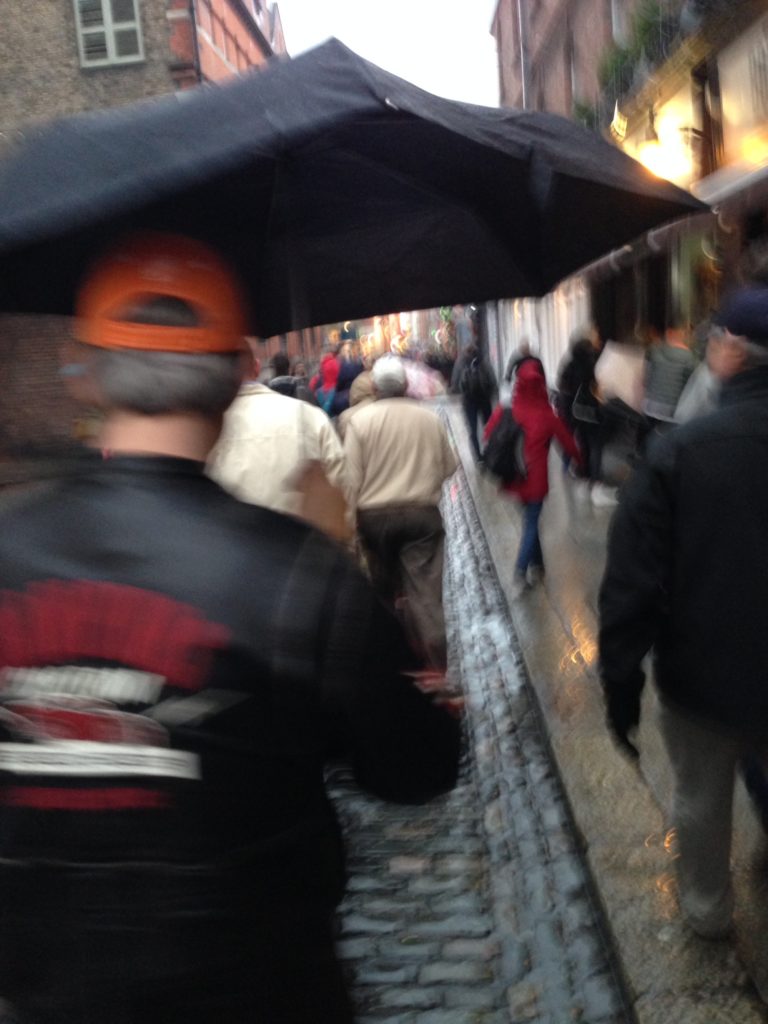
x=398, y=457
x=176, y=667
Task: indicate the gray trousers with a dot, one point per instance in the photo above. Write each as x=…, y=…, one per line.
x=704, y=761
x=404, y=548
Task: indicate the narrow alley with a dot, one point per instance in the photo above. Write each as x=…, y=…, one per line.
x=542, y=888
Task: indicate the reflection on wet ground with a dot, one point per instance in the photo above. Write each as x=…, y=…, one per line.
x=621, y=810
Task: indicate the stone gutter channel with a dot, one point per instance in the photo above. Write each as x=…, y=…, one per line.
x=477, y=908
x=617, y=813
x=541, y=889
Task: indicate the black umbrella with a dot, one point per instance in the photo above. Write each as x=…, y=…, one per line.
x=339, y=191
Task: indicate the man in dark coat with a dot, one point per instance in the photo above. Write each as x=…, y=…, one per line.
x=473, y=379
x=687, y=576
x=175, y=670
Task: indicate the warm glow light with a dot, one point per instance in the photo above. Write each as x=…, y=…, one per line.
x=754, y=148
x=670, y=160
x=667, y=154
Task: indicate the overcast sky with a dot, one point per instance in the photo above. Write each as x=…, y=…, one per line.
x=444, y=46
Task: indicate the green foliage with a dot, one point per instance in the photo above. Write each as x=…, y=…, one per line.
x=616, y=67
x=586, y=114
x=653, y=31
x=645, y=27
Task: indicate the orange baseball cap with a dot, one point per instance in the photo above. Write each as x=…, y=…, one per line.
x=147, y=267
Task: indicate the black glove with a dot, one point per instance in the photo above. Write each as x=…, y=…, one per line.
x=622, y=706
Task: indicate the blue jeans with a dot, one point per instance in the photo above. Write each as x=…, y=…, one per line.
x=530, y=547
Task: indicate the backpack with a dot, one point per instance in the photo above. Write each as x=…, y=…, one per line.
x=473, y=380
x=504, y=454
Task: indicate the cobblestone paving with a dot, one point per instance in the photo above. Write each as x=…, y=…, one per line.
x=476, y=909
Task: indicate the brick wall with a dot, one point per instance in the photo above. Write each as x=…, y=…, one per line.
x=37, y=417
x=40, y=73
x=41, y=79
x=228, y=41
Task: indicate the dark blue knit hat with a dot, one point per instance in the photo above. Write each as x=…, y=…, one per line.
x=745, y=313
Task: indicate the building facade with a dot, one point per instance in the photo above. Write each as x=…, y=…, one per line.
x=682, y=86
x=550, y=51
x=77, y=55
x=63, y=57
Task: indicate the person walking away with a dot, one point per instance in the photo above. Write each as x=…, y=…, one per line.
x=350, y=367
x=532, y=410
x=701, y=393
x=275, y=451
x=476, y=384
x=687, y=578
x=398, y=457
x=186, y=666
x=279, y=365
x=701, y=396
x=326, y=379
x=669, y=364
x=289, y=382
x=622, y=426
x=576, y=379
x=518, y=357
x=360, y=394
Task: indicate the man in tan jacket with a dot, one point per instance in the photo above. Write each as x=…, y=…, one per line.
x=398, y=457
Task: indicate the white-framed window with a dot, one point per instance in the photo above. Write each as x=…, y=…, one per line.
x=108, y=32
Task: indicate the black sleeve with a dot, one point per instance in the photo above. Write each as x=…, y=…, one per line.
x=401, y=745
x=634, y=592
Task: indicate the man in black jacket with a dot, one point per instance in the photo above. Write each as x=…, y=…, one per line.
x=687, y=576
x=175, y=670
x=473, y=379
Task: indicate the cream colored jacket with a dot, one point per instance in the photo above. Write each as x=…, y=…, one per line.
x=267, y=438
x=398, y=453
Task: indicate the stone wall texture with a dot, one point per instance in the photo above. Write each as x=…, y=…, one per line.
x=40, y=73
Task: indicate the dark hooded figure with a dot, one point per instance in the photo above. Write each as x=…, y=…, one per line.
x=576, y=381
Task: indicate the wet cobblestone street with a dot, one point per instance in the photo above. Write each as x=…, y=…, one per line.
x=476, y=908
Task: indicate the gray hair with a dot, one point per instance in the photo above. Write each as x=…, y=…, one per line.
x=389, y=377
x=154, y=383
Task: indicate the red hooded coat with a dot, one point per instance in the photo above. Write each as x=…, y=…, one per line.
x=532, y=410
x=329, y=371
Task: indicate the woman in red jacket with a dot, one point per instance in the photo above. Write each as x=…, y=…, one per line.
x=324, y=382
x=532, y=410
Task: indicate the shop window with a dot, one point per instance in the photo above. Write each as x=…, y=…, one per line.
x=708, y=141
x=108, y=32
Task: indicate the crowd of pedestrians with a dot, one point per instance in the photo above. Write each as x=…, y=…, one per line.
x=612, y=413
x=685, y=579
x=226, y=650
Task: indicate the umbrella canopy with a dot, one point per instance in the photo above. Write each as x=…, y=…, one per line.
x=338, y=190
